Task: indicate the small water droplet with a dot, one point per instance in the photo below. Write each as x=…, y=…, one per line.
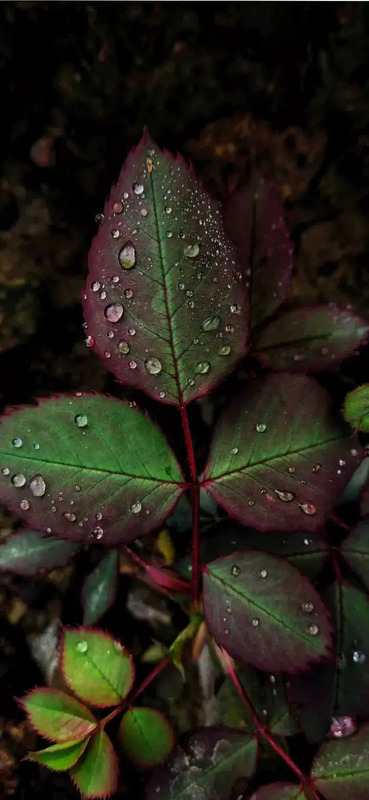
x=18, y=479
x=286, y=497
x=341, y=727
x=98, y=516
x=115, y=233
x=224, y=350
x=342, y=462
x=236, y=570
x=95, y=286
x=37, y=486
x=192, y=250
x=132, y=364
x=263, y=573
x=307, y=608
x=181, y=287
x=191, y=304
x=235, y=308
x=96, y=533
x=115, y=279
x=317, y=468
x=255, y=622
x=99, y=218
x=308, y=508
x=291, y=470
x=114, y=312
x=128, y=293
x=5, y=471
x=202, y=367
x=138, y=188
x=211, y=323
x=161, y=395
x=358, y=657
x=90, y=341
x=123, y=347
x=354, y=452
x=136, y=507
x=234, y=451
x=261, y=427
x=24, y=505
x=77, y=488
x=102, y=295
x=169, y=234
x=229, y=328
x=70, y=516
x=132, y=331
x=117, y=208
x=168, y=209
x=81, y=420
x=17, y=442
x=313, y=629
x=82, y=647
x=153, y=366
x=127, y=256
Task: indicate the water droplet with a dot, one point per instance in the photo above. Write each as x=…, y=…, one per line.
x=90, y=341
x=234, y=451
x=18, y=479
x=161, y=395
x=95, y=286
x=211, y=323
x=82, y=647
x=224, y=350
x=307, y=608
x=286, y=497
x=235, y=571
x=24, y=505
x=114, y=312
x=308, y=508
x=192, y=250
x=169, y=234
x=153, y=366
x=313, y=629
x=263, y=573
x=229, y=328
x=77, y=488
x=128, y=293
x=123, y=347
x=144, y=212
x=17, y=442
x=202, y=367
x=37, y=486
x=102, y=295
x=181, y=287
x=341, y=727
x=117, y=208
x=115, y=233
x=317, y=468
x=117, y=647
x=5, y=471
x=358, y=657
x=168, y=209
x=132, y=364
x=291, y=470
x=110, y=334
x=132, y=331
x=226, y=631
x=342, y=462
x=136, y=507
x=127, y=256
x=138, y=188
x=115, y=279
x=99, y=218
x=261, y=427
x=255, y=622
x=70, y=516
x=98, y=516
x=235, y=308
x=81, y=420
x=354, y=452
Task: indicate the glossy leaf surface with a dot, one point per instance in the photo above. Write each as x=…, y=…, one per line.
x=279, y=458
x=207, y=763
x=355, y=550
x=356, y=408
x=254, y=220
x=164, y=300
x=145, y=736
x=96, y=773
x=311, y=338
x=341, y=768
x=28, y=552
x=87, y=468
x=60, y=757
x=57, y=716
x=279, y=791
x=267, y=696
x=100, y=588
x=96, y=666
x=264, y=612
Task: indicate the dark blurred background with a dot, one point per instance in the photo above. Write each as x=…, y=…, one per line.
x=223, y=82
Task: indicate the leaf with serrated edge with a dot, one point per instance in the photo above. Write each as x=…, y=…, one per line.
x=356, y=408
x=27, y=552
x=100, y=588
x=264, y=612
x=341, y=768
x=279, y=459
x=96, y=666
x=58, y=716
x=181, y=306
x=254, y=220
x=96, y=772
x=207, y=761
x=60, y=757
x=355, y=550
x=279, y=791
x=104, y=469
x=145, y=736
x=311, y=338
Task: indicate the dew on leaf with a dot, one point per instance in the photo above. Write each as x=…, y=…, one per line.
x=161, y=395
x=342, y=462
x=98, y=516
x=115, y=233
x=18, y=479
x=81, y=420
x=192, y=250
x=96, y=533
x=17, y=442
x=132, y=364
x=77, y=488
x=128, y=293
x=229, y=329
x=117, y=208
x=136, y=507
x=95, y=286
x=263, y=573
x=138, y=188
x=341, y=727
x=235, y=308
x=153, y=366
x=308, y=508
x=102, y=295
x=169, y=234
x=358, y=657
x=307, y=608
x=70, y=516
x=114, y=312
x=127, y=256
x=110, y=334
x=123, y=347
x=132, y=331
x=191, y=304
x=235, y=571
x=82, y=646
x=5, y=471
x=90, y=341
x=211, y=323
x=168, y=209
x=144, y=212
x=224, y=350
x=36, y=446
x=37, y=486
x=261, y=427
x=313, y=629
x=234, y=451
x=286, y=497
x=317, y=468
x=202, y=367
x=251, y=502
x=99, y=218
x=181, y=286
x=354, y=452
x=24, y=505
x=255, y=622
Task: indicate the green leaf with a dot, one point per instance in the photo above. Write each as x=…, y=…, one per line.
x=311, y=338
x=280, y=791
x=87, y=467
x=60, y=757
x=267, y=696
x=356, y=408
x=57, y=716
x=96, y=773
x=208, y=762
x=96, y=667
x=341, y=768
x=100, y=588
x=355, y=550
x=172, y=290
x=264, y=612
x=28, y=552
x=145, y=736
x=279, y=458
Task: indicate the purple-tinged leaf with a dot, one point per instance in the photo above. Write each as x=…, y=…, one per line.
x=254, y=221
x=87, y=467
x=355, y=550
x=311, y=338
x=164, y=302
x=28, y=552
x=96, y=772
x=341, y=768
x=267, y=696
x=265, y=613
x=279, y=458
x=100, y=588
x=208, y=762
x=145, y=736
x=364, y=500
x=62, y=756
x=280, y=791
x=57, y=715
x=96, y=666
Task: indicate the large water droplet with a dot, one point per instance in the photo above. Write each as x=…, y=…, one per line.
x=95, y=286
x=17, y=442
x=127, y=256
x=138, y=188
x=114, y=312
x=192, y=250
x=18, y=479
x=358, y=657
x=307, y=608
x=211, y=323
x=82, y=647
x=81, y=420
x=202, y=367
x=341, y=727
x=235, y=571
x=308, y=508
x=5, y=470
x=286, y=497
x=313, y=629
x=261, y=427
x=153, y=366
x=37, y=486
x=136, y=507
x=123, y=347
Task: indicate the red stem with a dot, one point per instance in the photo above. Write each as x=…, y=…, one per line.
x=189, y=444
x=132, y=697
x=261, y=729
x=195, y=505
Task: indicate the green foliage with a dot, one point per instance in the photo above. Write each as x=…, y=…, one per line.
x=356, y=408
x=58, y=716
x=100, y=588
x=60, y=757
x=145, y=736
x=96, y=667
